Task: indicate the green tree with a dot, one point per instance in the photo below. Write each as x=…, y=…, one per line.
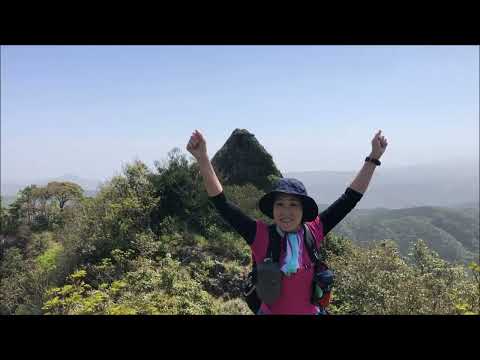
x=25, y=206
x=183, y=197
x=378, y=280
x=162, y=288
x=62, y=192
x=22, y=284
x=121, y=210
x=12, y=279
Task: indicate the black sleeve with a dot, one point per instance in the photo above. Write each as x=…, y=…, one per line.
x=335, y=213
x=242, y=223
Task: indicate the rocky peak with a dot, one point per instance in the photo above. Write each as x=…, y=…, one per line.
x=242, y=159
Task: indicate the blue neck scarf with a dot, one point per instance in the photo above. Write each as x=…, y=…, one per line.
x=292, y=252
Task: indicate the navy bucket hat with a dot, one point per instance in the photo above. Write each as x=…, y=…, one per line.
x=292, y=187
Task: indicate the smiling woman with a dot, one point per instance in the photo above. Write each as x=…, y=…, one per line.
x=287, y=212
x=289, y=276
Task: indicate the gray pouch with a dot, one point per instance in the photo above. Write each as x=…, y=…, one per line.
x=269, y=281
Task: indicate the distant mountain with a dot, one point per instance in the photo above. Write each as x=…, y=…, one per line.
x=452, y=233
x=90, y=186
x=468, y=205
x=444, y=185
x=7, y=200
x=10, y=189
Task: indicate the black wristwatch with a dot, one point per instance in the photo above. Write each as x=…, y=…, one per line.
x=375, y=161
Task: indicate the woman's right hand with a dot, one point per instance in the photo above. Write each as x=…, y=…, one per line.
x=197, y=146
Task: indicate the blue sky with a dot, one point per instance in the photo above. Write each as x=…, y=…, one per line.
x=86, y=110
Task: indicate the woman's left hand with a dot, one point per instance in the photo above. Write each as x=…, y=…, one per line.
x=379, y=144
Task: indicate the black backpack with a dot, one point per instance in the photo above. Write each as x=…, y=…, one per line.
x=273, y=254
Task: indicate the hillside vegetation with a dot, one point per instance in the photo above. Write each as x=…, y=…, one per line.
x=150, y=242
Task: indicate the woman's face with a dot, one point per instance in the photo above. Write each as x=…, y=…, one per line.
x=287, y=212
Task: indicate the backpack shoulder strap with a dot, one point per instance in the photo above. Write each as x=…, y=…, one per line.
x=274, y=241
x=315, y=255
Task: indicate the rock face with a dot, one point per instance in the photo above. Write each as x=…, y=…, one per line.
x=242, y=159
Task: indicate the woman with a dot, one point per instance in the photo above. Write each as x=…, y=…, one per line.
x=290, y=207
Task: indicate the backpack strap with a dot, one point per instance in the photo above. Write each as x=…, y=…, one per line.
x=273, y=251
x=274, y=241
x=313, y=252
x=320, y=266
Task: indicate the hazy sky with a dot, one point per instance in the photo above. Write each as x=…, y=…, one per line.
x=86, y=110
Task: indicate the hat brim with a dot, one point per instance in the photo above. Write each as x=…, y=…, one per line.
x=310, y=208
